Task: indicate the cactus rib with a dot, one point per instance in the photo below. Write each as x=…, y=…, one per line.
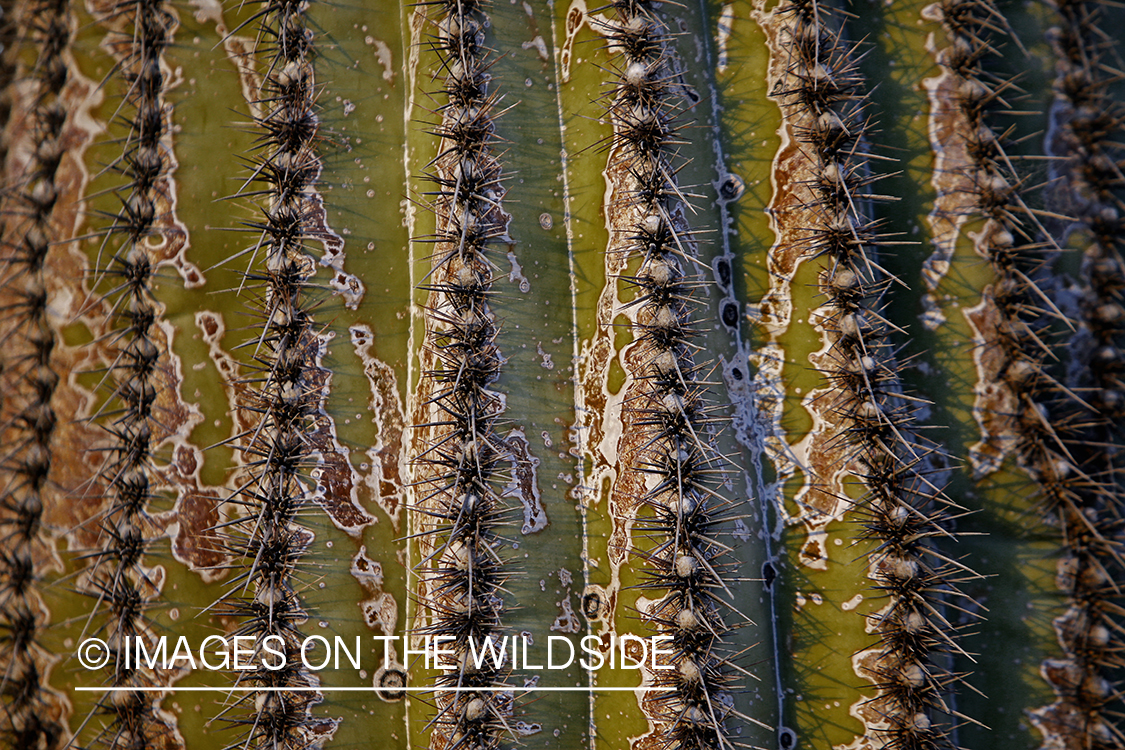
x=869, y=422
x=1085, y=497
x=458, y=465
x=285, y=392
x=674, y=471
x=132, y=417
x=34, y=715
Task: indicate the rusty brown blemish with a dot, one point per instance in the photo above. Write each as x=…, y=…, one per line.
x=387, y=456
x=525, y=482
x=380, y=610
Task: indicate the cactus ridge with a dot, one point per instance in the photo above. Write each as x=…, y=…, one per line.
x=132, y=415
x=11, y=41
x=904, y=512
x=669, y=412
x=116, y=576
x=33, y=714
x=1008, y=237
x=460, y=468
x=1083, y=493
x=283, y=392
x=1055, y=432
x=1011, y=322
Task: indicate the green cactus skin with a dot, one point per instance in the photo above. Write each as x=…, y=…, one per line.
x=900, y=533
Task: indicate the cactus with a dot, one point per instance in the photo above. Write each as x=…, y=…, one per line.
x=766, y=353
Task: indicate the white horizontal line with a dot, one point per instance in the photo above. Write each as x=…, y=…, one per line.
x=367, y=689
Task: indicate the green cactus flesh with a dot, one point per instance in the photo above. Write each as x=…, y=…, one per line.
x=780, y=336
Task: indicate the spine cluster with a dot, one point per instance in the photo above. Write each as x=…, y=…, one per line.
x=31, y=715
x=285, y=395
x=905, y=513
x=9, y=41
x=117, y=578
x=460, y=469
x=685, y=565
x=1085, y=492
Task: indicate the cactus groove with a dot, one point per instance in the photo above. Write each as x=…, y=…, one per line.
x=785, y=335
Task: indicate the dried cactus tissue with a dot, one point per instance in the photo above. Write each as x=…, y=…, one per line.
x=627, y=375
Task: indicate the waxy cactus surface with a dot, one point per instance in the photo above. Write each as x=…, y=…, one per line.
x=470, y=375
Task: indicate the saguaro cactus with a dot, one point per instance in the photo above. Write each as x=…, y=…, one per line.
x=646, y=374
